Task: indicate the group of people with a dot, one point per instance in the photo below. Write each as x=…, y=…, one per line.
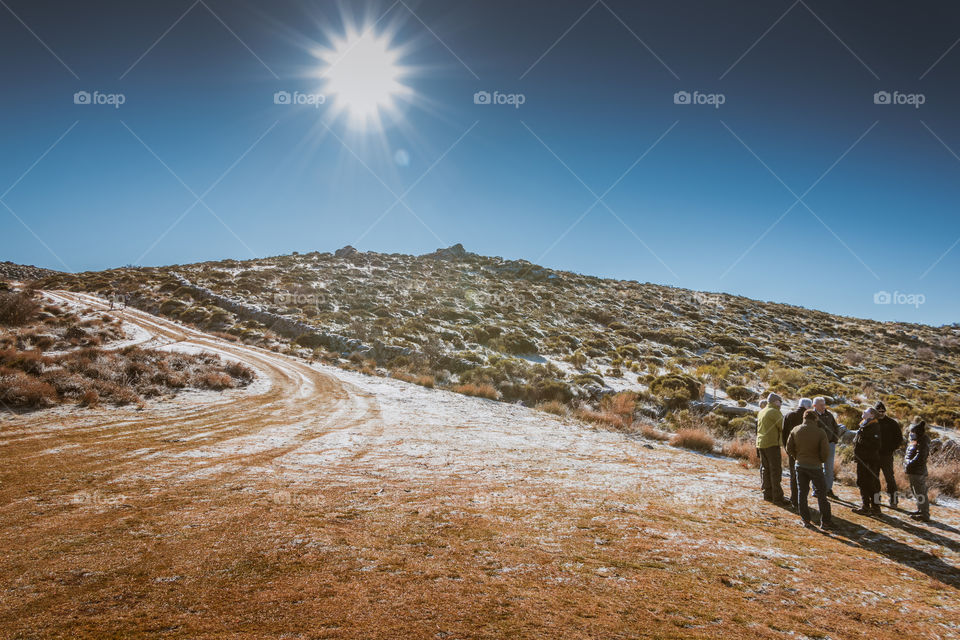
x=810, y=434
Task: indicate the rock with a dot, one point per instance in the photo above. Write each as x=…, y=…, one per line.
x=345, y=252
x=455, y=252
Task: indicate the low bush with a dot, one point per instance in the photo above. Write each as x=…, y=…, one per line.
x=743, y=450
x=16, y=308
x=695, y=439
x=477, y=390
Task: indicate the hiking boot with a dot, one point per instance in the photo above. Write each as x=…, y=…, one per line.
x=782, y=502
x=806, y=524
x=876, y=510
x=828, y=525
x=919, y=517
x=893, y=500
x=863, y=511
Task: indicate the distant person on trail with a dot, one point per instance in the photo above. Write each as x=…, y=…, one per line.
x=915, y=466
x=866, y=451
x=769, y=441
x=891, y=438
x=809, y=446
x=791, y=421
x=833, y=430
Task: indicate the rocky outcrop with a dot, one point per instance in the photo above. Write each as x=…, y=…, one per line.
x=23, y=272
x=345, y=252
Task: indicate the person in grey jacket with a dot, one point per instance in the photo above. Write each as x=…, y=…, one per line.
x=915, y=466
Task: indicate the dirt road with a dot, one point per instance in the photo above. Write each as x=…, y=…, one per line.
x=320, y=503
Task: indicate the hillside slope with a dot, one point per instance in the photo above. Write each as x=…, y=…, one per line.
x=517, y=331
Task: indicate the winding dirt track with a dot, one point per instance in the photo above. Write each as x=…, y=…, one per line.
x=334, y=505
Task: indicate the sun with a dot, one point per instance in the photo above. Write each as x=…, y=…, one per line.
x=363, y=77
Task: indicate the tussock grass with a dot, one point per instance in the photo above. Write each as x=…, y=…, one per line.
x=695, y=439
x=477, y=390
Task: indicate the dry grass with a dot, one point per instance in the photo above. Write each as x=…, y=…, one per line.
x=415, y=378
x=554, y=407
x=477, y=390
x=695, y=439
x=603, y=418
x=651, y=432
x=743, y=450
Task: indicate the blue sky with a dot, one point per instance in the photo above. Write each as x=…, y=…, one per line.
x=199, y=163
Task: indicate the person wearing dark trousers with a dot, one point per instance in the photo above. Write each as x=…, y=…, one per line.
x=791, y=421
x=915, y=466
x=833, y=430
x=809, y=446
x=769, y=441
x=866, y=451
x=891, y=438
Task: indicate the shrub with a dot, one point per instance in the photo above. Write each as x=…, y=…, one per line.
x=477, y=390
x=744, y=450
x=422, y=380
x=604, y=418
x=554, y=407
x=737, y=392
x=16, y=308
x=21, y=391
x=695, y=439
x=651, y=432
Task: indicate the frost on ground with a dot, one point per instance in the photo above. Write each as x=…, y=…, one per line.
x=323, y=503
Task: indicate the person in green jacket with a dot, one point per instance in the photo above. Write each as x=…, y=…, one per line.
x=769, y=441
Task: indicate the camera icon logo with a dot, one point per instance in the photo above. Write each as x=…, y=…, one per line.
x=481, y=97
x=882, y=297
x=881, y=97
x=681, y=97
x=281, y=97
x=81, y=97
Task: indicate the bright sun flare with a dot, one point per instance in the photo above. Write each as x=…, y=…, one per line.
x=363, y=77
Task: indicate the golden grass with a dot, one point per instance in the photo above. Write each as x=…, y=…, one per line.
x=743, y=450
x=695, y=439
x=477, y=390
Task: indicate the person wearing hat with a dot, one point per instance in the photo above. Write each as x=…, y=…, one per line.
x=915, y=466
x=866, y=451
x=891, y=438
x=769, y=441
x=809, y=445
x=790, y=422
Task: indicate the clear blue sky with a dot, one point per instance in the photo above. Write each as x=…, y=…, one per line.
x=598, y=80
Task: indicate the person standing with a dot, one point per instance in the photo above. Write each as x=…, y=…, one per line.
x=866, y=451
x=808, y=444
x=915, y=466
x=791, y=421
x=830, y=427
x=891, y=438
x=769, y=441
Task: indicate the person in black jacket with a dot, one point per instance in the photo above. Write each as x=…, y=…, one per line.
x=915, y=466
x=866, y=451
x=891, y=438
x=790, y=422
